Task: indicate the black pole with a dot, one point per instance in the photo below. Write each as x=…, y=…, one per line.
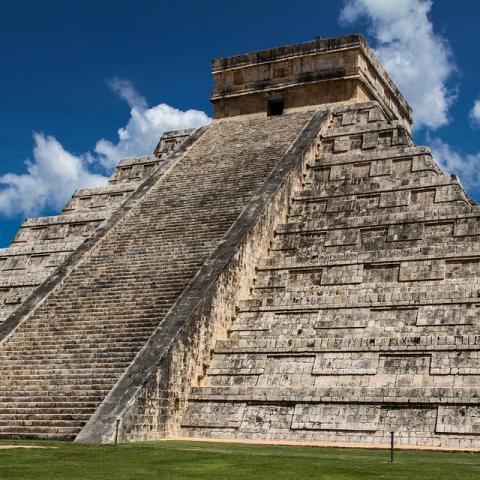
x=116, y=431
x=392, y=434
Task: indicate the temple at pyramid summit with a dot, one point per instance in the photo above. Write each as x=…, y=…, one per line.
x=298, y=270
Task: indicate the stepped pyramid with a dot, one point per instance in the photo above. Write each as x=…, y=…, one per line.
x=298, y=270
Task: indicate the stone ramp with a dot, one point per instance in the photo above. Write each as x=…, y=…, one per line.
x=62, y=360
x=364, y=313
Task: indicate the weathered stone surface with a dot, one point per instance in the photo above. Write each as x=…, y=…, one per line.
x=76, y=344
x=309, y=276
x=364, y=314
x=43, y=244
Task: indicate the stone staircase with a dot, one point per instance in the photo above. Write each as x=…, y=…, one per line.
x=364, y=314
x=63, y=358
x=42, y=244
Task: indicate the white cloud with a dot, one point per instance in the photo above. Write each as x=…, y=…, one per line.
x=144, y=127
x=466, y=166
x=475, y=112
x=54, y=173
x=125, y=90
x=50, y=179
x=418, y=59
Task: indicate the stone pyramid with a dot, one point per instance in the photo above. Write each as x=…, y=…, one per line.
x=298, y=270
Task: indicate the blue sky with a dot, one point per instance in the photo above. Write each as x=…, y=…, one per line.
x=74, y=73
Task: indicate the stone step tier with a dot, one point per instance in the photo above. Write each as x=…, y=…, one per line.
x=364, y=314
x=43, y=244
x=66, y=355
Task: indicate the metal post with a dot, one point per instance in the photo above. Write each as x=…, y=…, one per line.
x=117, y=423
x=392, y=435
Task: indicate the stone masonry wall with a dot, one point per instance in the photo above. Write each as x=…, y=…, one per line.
x=42, y=244
x=151, y=405
x=363, y=317
x=65, y=353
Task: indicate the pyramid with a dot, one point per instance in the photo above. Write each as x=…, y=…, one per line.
x=299, y=270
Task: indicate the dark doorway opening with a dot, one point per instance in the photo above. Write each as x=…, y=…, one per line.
x=275, y=107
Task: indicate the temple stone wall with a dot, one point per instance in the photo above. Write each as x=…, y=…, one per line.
x=79, y=337
x=324, y=71
x=363, y=316
x=298, y=271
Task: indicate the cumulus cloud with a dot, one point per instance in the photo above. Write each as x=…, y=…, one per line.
x=54, y=173
x=466, y=166
x=144, y=127
x=418, y=59
x=49, y=181
x=475, y=112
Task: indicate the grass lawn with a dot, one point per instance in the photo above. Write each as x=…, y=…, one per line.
x=198, y=460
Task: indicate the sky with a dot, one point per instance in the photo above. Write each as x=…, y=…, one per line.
x=85, y=84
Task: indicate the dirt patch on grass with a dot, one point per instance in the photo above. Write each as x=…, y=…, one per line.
x=8, y=447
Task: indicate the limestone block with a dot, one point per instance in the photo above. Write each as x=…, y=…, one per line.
x=321, y=175
x=392, y=319
x=340, y=172
x=270, y=279
x=426, y=270
x=400, y=137
x=237, y=364
x=134, y=170
x=381, y=168
x=401, y=364
x=466, y=227
x=385, y=139
x=341, y=144
x=438, y=230
x=373, y=237
x=312, y=208
x=402, y=167
x=341, y=204
x=455, y=363
x=423, y=163
x=376, y=115
x=54, y=232
x=19, y=262
x=370, y=140
x=398, y=198
x=342, y=275
x=405, y=231
x=214, y=414
x=228, y=380
x=287, y=371
x=409, y=420
x=464, y=420
x=423, y=198
x=11, y=296
x=361, y=171
x=360, y=418
x=449, y=193
x=367, y=202
x=342, y=318
x=462, y=268
x=381, y=273
x=431, y=315
x=299, y=280
x=312, y=241
x=81, y=229
x=270, y=420
x=346, y=363
x=342, y=237
x=349, y=118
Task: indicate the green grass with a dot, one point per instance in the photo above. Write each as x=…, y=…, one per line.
x=197, y=460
